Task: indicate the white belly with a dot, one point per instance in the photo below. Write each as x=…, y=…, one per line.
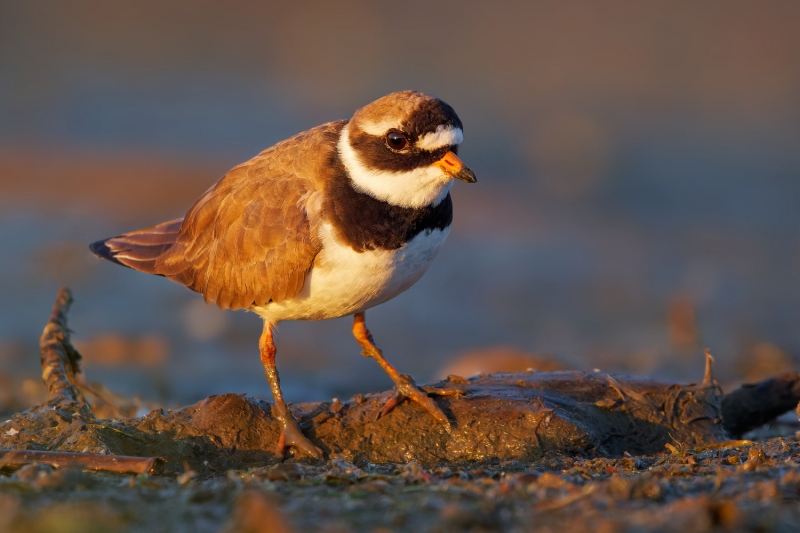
x=343, y=281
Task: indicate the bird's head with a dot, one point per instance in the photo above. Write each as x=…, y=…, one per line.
x=402, y=149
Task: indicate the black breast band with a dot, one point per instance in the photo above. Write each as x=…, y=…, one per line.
x=367, y=223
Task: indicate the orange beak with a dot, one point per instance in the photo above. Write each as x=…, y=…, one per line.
x=453, y=167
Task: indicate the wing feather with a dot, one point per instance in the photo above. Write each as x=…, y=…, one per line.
x=250, y=238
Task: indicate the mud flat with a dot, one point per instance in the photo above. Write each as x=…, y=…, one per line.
x=535, y=451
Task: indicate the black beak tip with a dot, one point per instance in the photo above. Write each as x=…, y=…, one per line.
x=467, y=176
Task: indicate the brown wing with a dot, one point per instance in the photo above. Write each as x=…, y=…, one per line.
x=249, y=239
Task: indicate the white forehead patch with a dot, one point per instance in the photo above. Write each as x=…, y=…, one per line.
x=443, y=136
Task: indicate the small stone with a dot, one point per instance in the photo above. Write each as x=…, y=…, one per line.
x=187, y=476
x=285, y=472
x=606, y=403
x=755, y=459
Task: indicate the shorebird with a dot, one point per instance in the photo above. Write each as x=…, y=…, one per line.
x=328, y=223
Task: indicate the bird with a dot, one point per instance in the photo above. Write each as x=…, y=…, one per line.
x=328, y=223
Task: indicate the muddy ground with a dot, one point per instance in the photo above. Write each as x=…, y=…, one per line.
x=536, y=451
x=747, y=487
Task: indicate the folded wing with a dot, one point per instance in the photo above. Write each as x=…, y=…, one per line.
x=247, y=241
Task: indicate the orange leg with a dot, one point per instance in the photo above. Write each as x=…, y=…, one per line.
x=291, y=435
x=406, y=388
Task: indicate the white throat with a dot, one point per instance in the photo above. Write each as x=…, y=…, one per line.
x=415, y=188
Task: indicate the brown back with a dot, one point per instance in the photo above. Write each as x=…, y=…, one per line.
x=250, y=239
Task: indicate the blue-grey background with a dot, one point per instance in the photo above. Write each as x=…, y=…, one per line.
x=638, y=181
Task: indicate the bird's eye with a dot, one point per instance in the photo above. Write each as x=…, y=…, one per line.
x=396, y=140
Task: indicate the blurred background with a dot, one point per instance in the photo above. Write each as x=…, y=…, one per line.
x=637, y=200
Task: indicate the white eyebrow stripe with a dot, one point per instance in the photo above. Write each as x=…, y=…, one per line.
x=379, y=129
x=443, y=136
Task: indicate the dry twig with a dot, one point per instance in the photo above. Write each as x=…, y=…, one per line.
x=60, y=361
x=122, y=464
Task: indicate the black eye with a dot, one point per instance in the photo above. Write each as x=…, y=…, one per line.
x=396, y=140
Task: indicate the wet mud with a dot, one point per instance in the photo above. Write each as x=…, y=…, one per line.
x=525, y=451
x=501, y=417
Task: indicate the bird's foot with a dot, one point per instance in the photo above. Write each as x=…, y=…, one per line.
x=408, y=390
x=292, y=436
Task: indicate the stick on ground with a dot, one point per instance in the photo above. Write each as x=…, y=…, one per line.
x=60, y=361
x=753, y=405
x=122, y=464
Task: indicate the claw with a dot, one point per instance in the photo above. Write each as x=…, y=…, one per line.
x=389, y=405
x=292, y=436
x=290, y=430
x=408, y=390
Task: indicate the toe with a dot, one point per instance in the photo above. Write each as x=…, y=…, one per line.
x=427, y=402
x=408, y=390
x=391, y=404
x=291, y=436
x=306, y=447
x=309, y=449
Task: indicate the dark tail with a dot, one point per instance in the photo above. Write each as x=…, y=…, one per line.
x=140, y=249
x=101, y=250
